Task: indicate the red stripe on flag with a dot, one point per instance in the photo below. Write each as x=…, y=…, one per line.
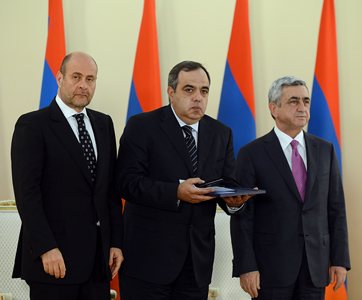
x=326, y=70
x=239, y=55
x=146, y=72
x=55, y=50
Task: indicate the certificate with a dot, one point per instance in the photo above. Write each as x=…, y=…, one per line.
x=230, y=192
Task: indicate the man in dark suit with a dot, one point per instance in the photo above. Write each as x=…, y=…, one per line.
x=286, y=240
x=71, y=215
x=169, y=223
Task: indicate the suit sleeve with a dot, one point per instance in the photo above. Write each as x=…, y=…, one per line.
x=337, y=217
x=115, y=202
x=241, y=225
x=133, y=180
x=27, y=159
x=228, y=172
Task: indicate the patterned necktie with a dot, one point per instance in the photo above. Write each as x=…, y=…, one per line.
x=87, y=146
x=191, y=146
x=298, y=169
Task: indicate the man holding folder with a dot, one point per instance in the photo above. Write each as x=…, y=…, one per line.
x=169, y=223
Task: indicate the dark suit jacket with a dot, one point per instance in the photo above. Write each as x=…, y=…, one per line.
x=275, y=228
x=158, y=231
x=56, y=200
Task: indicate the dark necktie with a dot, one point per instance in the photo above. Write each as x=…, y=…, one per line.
x=298, y=169
x=191, y=146
x=87, y=146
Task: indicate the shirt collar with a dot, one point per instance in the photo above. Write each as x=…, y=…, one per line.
x=66, y=110
x=285, y=139
x=194, y=126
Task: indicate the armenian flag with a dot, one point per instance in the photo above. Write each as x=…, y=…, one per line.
x=237, y=108
x=324, y=111
x=145, y=94
x=55, y=52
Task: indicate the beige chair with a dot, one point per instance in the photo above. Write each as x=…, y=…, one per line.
x=113, y=294
x=213, y=293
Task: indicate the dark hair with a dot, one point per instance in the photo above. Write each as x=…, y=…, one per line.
x=186, y=66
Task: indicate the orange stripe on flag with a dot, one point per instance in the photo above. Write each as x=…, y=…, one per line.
x=341, y=293
x=146, y=72
x=239, y=55
x=326, y=70
x=55, y=51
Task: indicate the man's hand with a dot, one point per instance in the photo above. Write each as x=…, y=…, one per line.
x=189, y=193
x=236, y=201
x=115, y=260
x=340, y=273
x=53, y=263
x=250, y=283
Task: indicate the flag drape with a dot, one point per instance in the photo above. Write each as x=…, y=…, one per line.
x=145, y=93
x=324, y=111
x=325, y=121
x=237, y=108
x=55, y=52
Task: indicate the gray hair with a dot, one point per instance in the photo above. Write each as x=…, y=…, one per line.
x=275, y=90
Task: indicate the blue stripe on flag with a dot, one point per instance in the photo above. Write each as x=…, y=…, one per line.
x=49, y=86
x=134, y=106
x=321, y=123
x=235, y=112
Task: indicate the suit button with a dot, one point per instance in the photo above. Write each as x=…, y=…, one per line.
x=191, y=226
x=304, y=212
x=301, y=235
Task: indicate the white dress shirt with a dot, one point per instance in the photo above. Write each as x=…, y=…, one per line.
x=68, y=114
x=195, y=127
x=285, y=140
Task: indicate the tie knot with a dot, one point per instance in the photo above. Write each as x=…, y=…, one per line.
x=79, y=117
x=187, y=129
x=294, y=144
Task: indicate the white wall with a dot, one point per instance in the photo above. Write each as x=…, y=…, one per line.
x=284, y=37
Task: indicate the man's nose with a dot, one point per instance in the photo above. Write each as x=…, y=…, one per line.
x=83, y=84
x=302, y=106
x=197, y=96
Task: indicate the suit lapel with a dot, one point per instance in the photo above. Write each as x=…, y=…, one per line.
x=173, y=131
x=312, y=162
x=64, y=132
x=276, y=154
x=204, y=145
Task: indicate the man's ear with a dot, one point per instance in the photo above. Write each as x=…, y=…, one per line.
x=170, y=92
x=273, y=109
x=59, y=78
